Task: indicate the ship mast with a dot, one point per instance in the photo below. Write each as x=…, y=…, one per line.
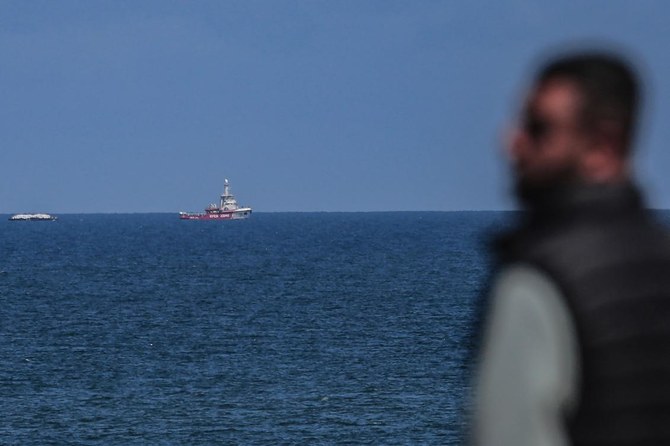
x=226, y=192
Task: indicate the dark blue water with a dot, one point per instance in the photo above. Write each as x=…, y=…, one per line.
x=283, y=329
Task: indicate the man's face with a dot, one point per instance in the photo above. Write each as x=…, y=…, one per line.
x=548, y=145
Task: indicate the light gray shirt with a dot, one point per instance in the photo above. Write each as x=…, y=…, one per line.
x=528, y=374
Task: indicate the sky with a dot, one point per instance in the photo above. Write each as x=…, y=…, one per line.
x=311, y=105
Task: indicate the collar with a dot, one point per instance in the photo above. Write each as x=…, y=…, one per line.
x=594, y=200
x=560, y=207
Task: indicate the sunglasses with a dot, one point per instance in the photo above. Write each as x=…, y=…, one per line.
x=536, y=127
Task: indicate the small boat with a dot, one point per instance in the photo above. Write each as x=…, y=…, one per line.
x=228, y=209
x=32, y=217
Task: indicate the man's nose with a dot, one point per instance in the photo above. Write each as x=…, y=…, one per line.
x=517, y=144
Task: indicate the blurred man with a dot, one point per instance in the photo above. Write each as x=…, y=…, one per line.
x=577, y=337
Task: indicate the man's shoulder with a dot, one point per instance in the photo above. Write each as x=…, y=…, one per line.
x=583, y=245
x=523, y=281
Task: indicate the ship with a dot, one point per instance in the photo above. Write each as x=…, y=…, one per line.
x=227, y=209
x=32, y=217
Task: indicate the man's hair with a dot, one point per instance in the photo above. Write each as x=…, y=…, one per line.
x=609, y=88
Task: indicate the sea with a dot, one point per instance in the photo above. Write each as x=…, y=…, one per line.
x=283, y=329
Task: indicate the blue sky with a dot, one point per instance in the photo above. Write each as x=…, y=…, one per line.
x=146, y=106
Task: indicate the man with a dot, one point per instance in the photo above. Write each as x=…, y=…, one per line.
x=577, y=338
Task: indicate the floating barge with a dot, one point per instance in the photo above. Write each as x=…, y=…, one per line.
x=33, y=217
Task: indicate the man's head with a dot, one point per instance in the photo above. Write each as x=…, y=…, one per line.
x=577, y=125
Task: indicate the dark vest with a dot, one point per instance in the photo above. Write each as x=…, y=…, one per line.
x=612, y=264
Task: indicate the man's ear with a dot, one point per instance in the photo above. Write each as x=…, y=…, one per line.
x=605, y=158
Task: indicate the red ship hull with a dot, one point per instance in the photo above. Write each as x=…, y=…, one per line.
x=231, y=215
